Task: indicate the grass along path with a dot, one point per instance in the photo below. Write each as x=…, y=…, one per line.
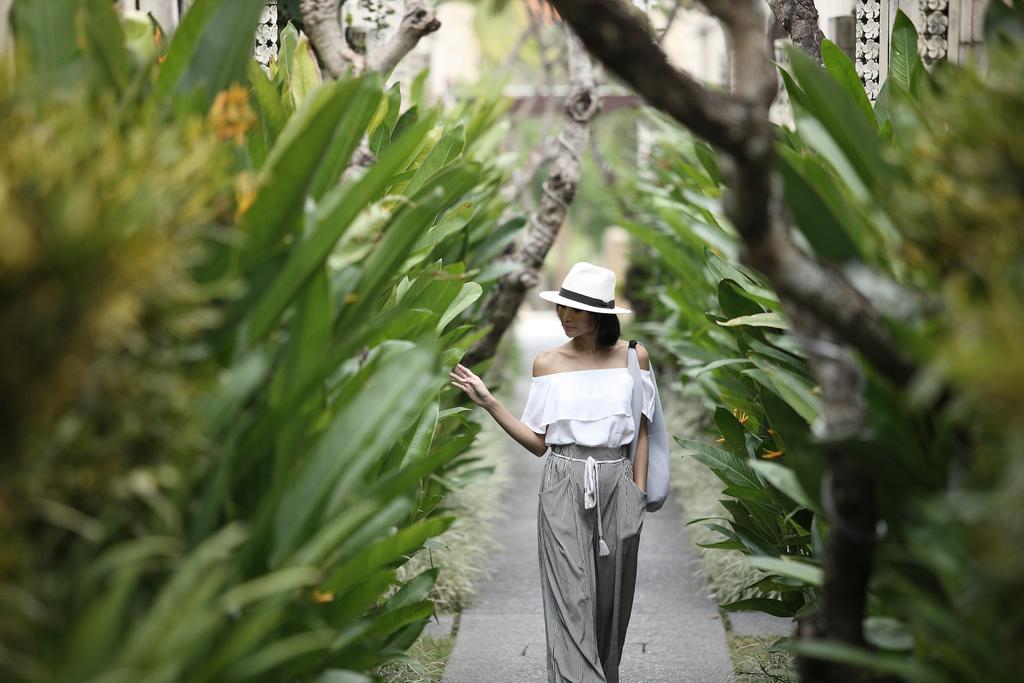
x=751, y=636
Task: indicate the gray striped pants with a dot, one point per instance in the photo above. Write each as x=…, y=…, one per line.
x=587, y=596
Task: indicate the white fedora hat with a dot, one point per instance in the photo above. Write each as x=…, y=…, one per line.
x=587, y=287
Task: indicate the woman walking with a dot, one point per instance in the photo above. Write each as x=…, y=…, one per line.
x=593, y=409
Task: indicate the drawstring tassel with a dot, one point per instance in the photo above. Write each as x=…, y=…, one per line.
x=592, y=496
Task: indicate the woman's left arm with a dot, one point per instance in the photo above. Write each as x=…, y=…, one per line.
x=640, y=457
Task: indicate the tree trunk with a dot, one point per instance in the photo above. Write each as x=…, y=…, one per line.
x=581, y=108
x=799, y=18
x=375, y=36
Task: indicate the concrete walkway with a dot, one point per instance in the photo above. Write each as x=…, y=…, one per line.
x=675, y=633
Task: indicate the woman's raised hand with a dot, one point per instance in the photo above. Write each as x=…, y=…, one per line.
x=467, y=380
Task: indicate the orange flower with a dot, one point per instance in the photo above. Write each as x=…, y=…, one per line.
x=231, y=116
x=772, y=454
x=720, y=439
x=740, y=415
x=321, y=598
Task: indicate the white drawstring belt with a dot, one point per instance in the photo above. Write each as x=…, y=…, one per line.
x=590, y=492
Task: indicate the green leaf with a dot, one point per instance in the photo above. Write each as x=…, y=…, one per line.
x=224, y=49
x=384, y=551
x=293, y=162
x=405, y=229
x=709, y=160
x=903, y=56
x=235, y=385
x=734, y=300
x=767, y=605
x=732, y=430
x=268, y=101
x=446, y=150
x=888, y=633
x=345, y=141
x=1004, y=22
x=883, y=104
x=415, y=589
x=469, y=293
x=353, y=440
x=795, y=569
x=419, y=445
x=812, y=212
x=794, y=390
x=842, y=69
x=834, y=651
x=758, y=320
x=748, y=493
x=727, y=466
x=46, y=41
x=262, y=587
x=302, y=72
x=838, y=112
x=104, y=42
x=279, y=652
x=309, y=340
x=382, y=128
x=714, y=365
x=795, y=92
x=784, y=479
x=194, y=581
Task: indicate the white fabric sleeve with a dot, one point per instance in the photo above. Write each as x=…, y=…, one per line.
x=649, y=394
x=534, y=409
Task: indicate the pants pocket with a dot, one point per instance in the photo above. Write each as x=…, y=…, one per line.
x=554, y=476
x=636, y=496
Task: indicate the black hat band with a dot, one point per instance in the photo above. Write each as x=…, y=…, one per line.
x=584, y=299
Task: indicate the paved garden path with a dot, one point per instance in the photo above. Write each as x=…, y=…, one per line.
x=675, y=633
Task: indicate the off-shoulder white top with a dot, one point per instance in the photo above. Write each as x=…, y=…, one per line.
x=586, y=407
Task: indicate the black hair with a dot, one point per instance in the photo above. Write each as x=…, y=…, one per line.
x=608, y=329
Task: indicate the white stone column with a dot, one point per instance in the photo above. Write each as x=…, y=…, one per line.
x=164, y=11
x=454, y=50
x=5, y=26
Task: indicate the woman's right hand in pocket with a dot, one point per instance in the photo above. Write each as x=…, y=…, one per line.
x=469, y=382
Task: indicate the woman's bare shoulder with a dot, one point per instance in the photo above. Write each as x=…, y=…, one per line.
x=643, y=357
x=548, y=362
x=554, y=359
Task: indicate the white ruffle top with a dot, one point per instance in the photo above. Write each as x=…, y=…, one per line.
x=586, y=407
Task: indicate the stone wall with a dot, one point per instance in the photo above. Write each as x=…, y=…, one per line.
x=947, y=29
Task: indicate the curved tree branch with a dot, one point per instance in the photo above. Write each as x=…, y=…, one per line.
x=581, y=108
x=323, y=25
x=617, y=37
x=419, y=20
x=799, y=18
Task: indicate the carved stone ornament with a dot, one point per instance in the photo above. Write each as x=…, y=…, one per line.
x=934, y=42
x=265, y=48
x=868, y=56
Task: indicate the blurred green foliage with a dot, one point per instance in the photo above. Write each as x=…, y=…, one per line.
x=225, y=350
